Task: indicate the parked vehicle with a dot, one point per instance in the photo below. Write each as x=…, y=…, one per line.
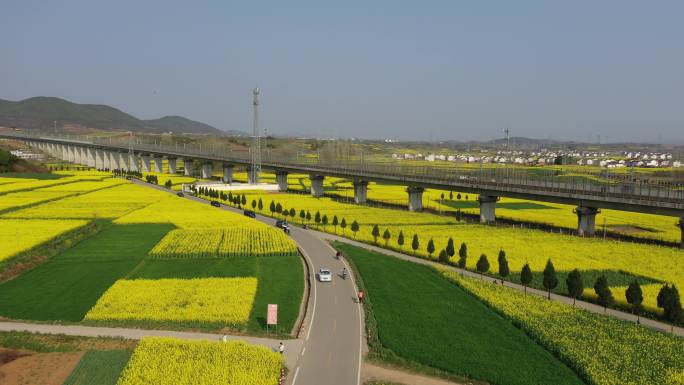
x=180, y=194
x=215, y=203
x=249, y=213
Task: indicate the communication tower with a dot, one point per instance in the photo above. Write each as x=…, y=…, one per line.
x=256, y=143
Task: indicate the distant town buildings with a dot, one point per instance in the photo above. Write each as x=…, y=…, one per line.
x=545, y=157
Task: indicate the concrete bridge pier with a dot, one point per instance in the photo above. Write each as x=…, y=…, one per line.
x=76, y=154
x=83, y=156
x=71, y=156
x=172, y=165
x=125, y=161
x=487, y=208
x=207, y=170
x=105, y=160
x=360, y=191
x=187, y=166
x=114, y=160
x=146, y=163
x=158, y=164
x=99, y=159
x=415, y=198
x=317, y=185
x=281, y=179
x=227, y=173
x=90, y=156
x=133, y=162
x=586, y=220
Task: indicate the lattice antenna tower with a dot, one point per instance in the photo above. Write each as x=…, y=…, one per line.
x=256, y=142
x=508, y=138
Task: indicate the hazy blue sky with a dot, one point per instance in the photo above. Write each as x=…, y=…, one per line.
x=420, y=69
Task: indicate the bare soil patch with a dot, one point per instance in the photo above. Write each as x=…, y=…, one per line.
x=37, y=369
x=377, y=374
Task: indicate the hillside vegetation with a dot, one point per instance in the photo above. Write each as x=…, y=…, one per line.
x=42, y=112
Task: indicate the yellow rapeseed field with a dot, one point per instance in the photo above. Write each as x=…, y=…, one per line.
x=17, y=235
x=163, y=361
x=235, y=241
x=108, y=203
x=226, y=301
x=604, y=350
x=521, y=245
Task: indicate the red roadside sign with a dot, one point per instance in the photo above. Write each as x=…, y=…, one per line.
x=272, y=317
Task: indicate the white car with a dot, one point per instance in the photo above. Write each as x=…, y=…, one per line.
x=324, y=275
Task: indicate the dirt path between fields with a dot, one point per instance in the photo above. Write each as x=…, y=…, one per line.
x=381, y=374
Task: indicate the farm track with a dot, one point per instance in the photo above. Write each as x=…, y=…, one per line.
x=292, y=347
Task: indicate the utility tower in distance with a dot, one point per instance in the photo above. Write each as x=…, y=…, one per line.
x=256, y=143
x=508, y=138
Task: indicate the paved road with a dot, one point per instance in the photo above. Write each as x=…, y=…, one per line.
x=333, y=343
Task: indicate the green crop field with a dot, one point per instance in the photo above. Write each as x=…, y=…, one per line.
x=99, y=367
x=422, y=317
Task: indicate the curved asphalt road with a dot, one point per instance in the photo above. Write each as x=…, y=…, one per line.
x=333, y=343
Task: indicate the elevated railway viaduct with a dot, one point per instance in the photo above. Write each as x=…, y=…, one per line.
x=588, y=195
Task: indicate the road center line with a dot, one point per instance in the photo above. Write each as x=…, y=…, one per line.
x=294, y=379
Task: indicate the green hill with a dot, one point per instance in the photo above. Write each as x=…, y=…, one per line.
x=42, y=112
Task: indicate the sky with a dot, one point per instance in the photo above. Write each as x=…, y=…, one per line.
x=429, y=70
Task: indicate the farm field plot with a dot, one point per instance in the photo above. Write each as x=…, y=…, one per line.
x=68, y=285
x=101, y=367
x=33, y=184
x=65, y=287
x=237, y=241
x=280, y=280
x=46, y=359
x=620, y=261
x=170, y=361
x=84, y=186
x=213, y=301
x=422, y=317
x=13, y=201
x=18, y=235
x=619, y=352
x=108, y=203
x=185, y=214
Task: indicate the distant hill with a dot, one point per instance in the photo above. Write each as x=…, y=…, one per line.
x=41, y=112
x=179, y=124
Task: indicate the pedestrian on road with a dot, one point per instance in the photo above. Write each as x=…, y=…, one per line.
x=361, y=295
x=225, y=338
x=281, y=348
